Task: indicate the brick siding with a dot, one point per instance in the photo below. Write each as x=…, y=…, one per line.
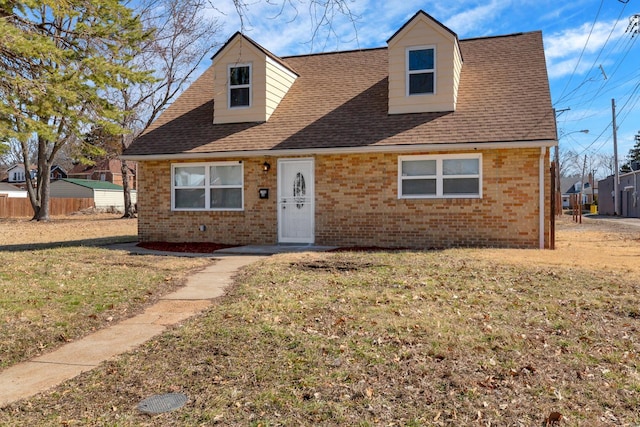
x=357, y=205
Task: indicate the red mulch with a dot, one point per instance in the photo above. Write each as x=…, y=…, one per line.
x=199, y=247
x=206, y=247
x=366, y=249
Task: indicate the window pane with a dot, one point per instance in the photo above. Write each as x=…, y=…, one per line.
x=189, y=199
x=418, y=167
x=239, y=76
x=239, y=97
x=461, y=186
x=229, y=198
x=421, y=59
x=461, y=167
x=226, y=175
x=421, y=83
x=189, y=176
x=418, y=187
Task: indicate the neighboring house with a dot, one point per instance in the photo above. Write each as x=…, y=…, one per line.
x=11, y=191
x=629, y=193
x=429, y=142
x=572, y=193
x=57, y=173
x=17, y=175
x=109, y=170
x=105, y=194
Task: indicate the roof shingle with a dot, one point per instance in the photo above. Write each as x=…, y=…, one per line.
x=340, y=100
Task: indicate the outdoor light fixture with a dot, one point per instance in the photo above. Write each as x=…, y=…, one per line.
x=266, y=166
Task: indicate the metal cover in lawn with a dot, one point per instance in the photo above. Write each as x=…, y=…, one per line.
x=162, y=403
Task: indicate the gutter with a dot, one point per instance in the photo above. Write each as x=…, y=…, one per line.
x=543, y=151
x=543, y=144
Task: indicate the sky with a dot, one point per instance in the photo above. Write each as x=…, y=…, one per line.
x=591, y=48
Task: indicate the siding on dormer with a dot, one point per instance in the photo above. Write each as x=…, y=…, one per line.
x=270, y=82
x=278, y=83
x=422, y=31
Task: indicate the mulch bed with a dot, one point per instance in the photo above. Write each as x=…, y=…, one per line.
x=366, y=249
x=206, y=247
x=197, y=247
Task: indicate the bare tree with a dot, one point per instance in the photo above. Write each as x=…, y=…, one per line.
x=183, y=37
x=570, y=163
x=323, y=15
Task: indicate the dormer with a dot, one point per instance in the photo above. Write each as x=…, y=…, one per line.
x=424, y=67
x=249, y=81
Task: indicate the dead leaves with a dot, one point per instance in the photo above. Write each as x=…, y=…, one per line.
x=553, y=419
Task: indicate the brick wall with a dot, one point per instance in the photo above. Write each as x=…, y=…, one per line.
x=357, y=204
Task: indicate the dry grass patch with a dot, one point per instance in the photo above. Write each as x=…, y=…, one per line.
x=68, y=228
x=414, y=339
x=50, y=296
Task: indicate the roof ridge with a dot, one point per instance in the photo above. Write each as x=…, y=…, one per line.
x=366, y=49
x=521, y=33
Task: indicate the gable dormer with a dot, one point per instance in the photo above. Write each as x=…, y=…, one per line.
x=424, y=67
x=249, y=81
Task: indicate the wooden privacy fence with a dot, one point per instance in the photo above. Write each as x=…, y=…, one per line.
x=16, y=208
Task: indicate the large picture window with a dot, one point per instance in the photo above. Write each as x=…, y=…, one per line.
x=421, y=70
x=240, y=86
x=440, y=176
x=207, y=186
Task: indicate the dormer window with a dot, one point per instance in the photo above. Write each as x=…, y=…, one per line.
x=421, y=70
x=240, y=86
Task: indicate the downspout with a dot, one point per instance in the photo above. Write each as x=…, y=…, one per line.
x=543, y=152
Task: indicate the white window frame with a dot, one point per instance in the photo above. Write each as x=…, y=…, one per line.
x=242, y=86
x=421, y=71
x=207, y=185
x=439, y=176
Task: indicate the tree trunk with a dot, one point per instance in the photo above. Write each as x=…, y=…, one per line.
x=43, y=190
x=129, y=211
x=41, y=213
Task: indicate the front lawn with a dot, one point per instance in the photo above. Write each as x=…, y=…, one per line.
x=49, y=297
x=451, y=337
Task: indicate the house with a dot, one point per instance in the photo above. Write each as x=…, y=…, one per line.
x=16, y=173
x=575, y=188
x=109, y=170
x=430, y=141
x=105, y=195
x=628, y=191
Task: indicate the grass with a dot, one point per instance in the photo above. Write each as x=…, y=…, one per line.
x=52, y=296
x=368, y=339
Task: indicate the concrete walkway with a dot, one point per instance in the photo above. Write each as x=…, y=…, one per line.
x=47, y=371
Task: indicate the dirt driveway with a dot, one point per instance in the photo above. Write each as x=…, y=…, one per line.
x=610, y=244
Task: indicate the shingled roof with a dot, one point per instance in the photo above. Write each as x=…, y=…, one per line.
x=340, y=101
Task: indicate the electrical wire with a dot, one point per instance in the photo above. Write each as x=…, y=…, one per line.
x=581, y=53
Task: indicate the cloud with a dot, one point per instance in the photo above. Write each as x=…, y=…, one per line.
x=474, y=20
x=294, y=29
x=563, y=48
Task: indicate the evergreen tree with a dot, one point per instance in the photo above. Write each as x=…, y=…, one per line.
x=633, y=156
x=57, y=61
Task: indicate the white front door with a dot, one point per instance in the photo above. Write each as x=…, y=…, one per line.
x=296, y=201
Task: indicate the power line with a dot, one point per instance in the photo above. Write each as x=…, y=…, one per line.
x=583, y=49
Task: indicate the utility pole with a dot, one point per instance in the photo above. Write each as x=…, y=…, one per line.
x=616, y=179
x=558, y=206
x=584, y=166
